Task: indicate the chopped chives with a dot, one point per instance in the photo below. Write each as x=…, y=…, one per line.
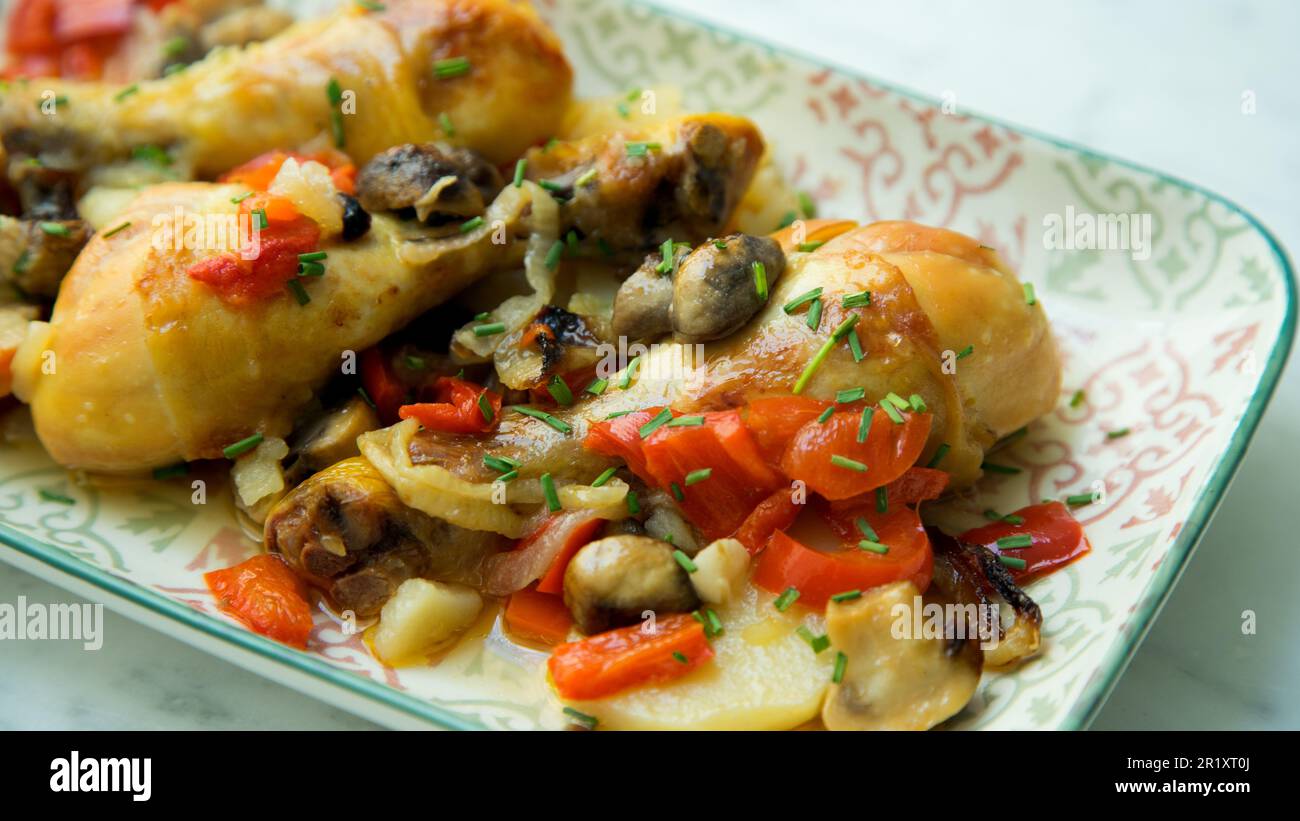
x=171, y=471
x=118, y=229
x=641, y=149
x=892, y=412
x=548, y=490
x=1080, y=499
x=259, y=219
x=299, y=292
x=697, y=476
x=866, y=529
x=151, y=153
x=850, y=395
x=939, y=453
x=808, y=247
x=898, y=401
x=760, y=280
x=597, y=387
x=558, y=424
x=847, y=595
x=882, y=500
x=571, y=242
x=554, y=254
x=817, y=643
x=1013, y=562
x=586, y=177
x=681, y=657
x=444, y=122
x=55, y=229
x=1115, y=434
x=53, y=496
x=633, y=506
x=841, y=662
x=855, y=346
x=801, y=300
x=585, y=720
x=654, y=424
x=842, y=329
x=917, y=403
x=126, y=92
x=787, y=220
x=788, y=597
x=1010, y=518
x=617, y=414
x=314, y=256
x=175, y=46
x=1030, y=298
x=241, y=198
x=311, y=269
x=520, y=167
x=485, y=407
x=858, y=300
x=336, y=129
x=371, y=5
x=504, y=464
x=685, y=561
x=806, y=205
x=1017, y=541
x=490, y=329
x=559, y=389
x=604, y=477
x=686, y=422
x=815, y=314
x=471, y=224
x=715, y=623
x=677, y=491
x=365, y=397
x=873, y=546
x=667, y=256
x=1078, y=399
x=629, y=372
x=1006, y=470
x=822, y=352
x=966, y=351
x=450, y=67
x=826, y=414
x=482, y=315
x=850, y=464
x=242, y=446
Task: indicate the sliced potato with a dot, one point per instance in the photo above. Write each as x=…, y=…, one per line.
x=763, y=676
x=421, y=615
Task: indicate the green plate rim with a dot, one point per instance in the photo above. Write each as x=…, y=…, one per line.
x=1094, y=694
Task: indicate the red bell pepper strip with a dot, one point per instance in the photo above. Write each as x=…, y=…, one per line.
x=775, y=421
x=286, y=234
x=776, y=512
x=889, y=450
x=538, y=616
x=611, y=662
x=259, y=172
x=458, y=407
x=916, y=485
x=818, y=575
x=620, y=437
x=383, y=388
x=266, y=595
x=1056, y=538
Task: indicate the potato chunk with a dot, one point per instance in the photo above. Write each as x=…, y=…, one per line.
x=421, y=615
x=721, y=571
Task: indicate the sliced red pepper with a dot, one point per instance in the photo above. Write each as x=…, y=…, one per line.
x=611, y=662
x=286, y=234
x=538, y=616
x=266, y=595
x=776, y=512
x=818, y=575
x=620, y=437
x=84, y=19
x=775, y=421
x=384, y=390
x=889, y=450
x=582, y=533
x=916, y=485
x=259, y=172
x=31, y=28
x=1057, y=539
x=456, y=407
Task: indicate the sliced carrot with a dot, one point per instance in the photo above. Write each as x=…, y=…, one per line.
x=538, y=616
x=608, y=663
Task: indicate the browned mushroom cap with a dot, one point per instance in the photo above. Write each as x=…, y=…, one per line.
x=329, y=438
x=36, y=254
x=1010, y=621
x=889, y=683
x=428, y=180
x=716, y=291
x=613, y=581
x=644, y=302
x=346, y=530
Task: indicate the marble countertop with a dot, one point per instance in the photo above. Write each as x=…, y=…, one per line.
x=1157, y=83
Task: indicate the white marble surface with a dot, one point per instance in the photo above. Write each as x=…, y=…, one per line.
x=1157, y=82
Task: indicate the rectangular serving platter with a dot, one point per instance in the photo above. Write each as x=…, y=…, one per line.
x=1183, y=348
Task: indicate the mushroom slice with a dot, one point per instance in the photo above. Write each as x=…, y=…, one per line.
x=329, y=438
x=1010, y=621
x=428, y=180
x=611, y=582
x=35, y=254
x=643, y=306
x=716, y=289
x=893, y=683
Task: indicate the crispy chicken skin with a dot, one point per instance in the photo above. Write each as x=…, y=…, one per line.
x=142, y=366
x=238, y=103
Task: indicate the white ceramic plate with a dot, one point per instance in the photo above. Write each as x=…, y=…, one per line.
x=1183, y=347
